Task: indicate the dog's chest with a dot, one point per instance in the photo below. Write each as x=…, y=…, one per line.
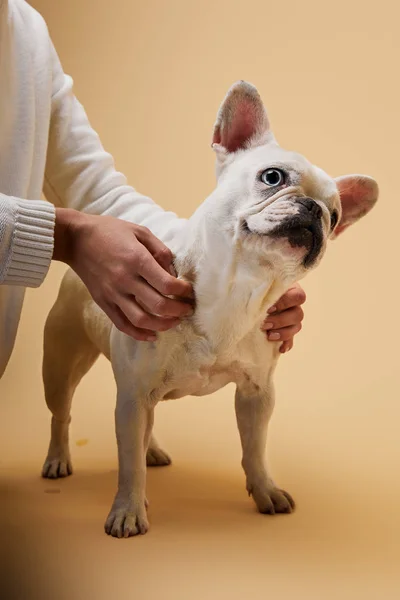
x=199, y=371
x=201, y=382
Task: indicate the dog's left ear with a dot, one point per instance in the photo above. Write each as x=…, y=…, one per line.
x=242, y=121
x=358, y=194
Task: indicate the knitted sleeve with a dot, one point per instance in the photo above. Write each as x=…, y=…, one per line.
x=26, y=240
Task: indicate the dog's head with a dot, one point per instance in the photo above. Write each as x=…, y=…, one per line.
x=275, y=203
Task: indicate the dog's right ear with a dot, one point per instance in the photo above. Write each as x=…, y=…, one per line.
x=242, y=121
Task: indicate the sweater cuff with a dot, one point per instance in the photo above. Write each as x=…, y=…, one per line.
x=32, y=243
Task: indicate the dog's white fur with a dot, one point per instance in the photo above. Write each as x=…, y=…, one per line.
x=237, y=273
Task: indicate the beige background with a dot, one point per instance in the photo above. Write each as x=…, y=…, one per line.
x=151, y=76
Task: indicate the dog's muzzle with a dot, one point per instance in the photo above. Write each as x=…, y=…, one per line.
x=303, y=230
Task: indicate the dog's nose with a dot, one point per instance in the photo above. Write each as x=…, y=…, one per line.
x=311, y=206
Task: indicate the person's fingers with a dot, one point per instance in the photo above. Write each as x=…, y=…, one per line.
x=141, y=319
x=164, y=257
x=287, y=318
x=124, y=325
x=156, y=304
x=157, y=249
x=296, y=296
x=286, y=346
x=285, y=334
x=160, y=280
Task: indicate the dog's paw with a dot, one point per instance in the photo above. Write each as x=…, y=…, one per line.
x=54, y=468
x=156, y=457
x=126, y=522
x=271, y=500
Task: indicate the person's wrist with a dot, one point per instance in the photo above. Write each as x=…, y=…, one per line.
x=67, y=227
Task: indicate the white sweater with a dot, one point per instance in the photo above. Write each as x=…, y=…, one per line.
x=47, y=144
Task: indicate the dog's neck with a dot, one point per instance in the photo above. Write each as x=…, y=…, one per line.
x=233, y=288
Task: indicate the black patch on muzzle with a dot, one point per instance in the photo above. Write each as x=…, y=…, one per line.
x=303, y=230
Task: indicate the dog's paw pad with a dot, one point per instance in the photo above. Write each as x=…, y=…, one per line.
x=273, y=501
x=57, y=467
x=124, y=523
x=156, y=457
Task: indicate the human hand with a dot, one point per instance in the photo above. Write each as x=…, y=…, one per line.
x=284, y=319
x=126, y=269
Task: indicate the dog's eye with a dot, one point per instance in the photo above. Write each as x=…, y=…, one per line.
x=273, y=177
x=334, y=220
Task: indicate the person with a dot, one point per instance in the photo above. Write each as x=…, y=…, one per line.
x=91, y=219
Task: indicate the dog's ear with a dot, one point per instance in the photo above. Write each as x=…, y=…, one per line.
x=242, y=121
x=358, y=194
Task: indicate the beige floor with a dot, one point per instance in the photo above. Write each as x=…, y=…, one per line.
x=205, y=540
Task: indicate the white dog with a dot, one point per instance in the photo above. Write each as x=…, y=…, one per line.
x=263, y=228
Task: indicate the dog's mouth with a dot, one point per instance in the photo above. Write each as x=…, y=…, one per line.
x=302, y=235
x=299, y=233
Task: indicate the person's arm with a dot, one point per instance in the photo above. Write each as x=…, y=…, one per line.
x=103, y=251
x=125, y=267
x=33, y=232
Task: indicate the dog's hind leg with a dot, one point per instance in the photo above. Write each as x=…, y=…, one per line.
x=68, y=356
x=155, y=456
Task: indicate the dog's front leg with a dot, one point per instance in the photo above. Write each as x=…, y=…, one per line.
x=253, y=411
x=133, y=422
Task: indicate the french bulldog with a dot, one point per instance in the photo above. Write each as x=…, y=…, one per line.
x=263, y=228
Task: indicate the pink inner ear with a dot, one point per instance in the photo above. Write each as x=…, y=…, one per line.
x=358, y=195
x=339, y=229
x=241, y=121
x=241, y=127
